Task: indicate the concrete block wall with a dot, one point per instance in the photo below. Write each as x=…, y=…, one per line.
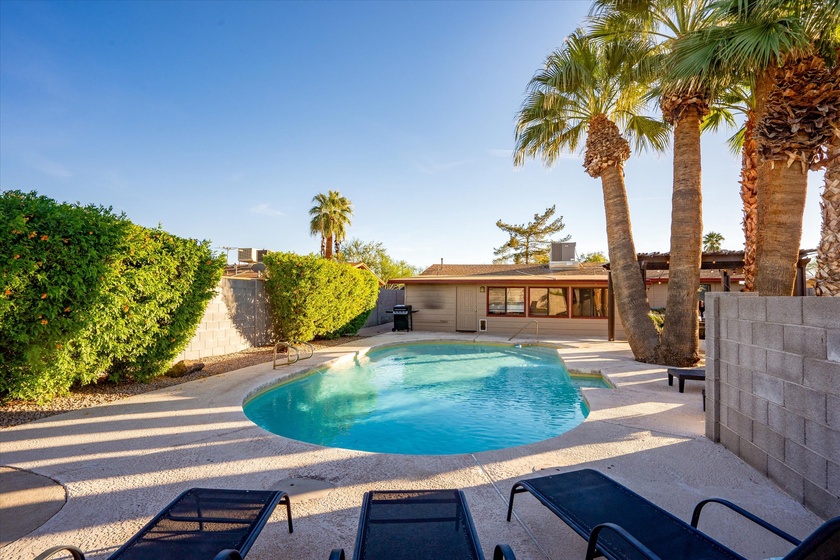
x=773, y=390
x=235, y=319
x=239, y=317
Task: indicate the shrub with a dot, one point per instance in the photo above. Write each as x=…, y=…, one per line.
x=85, y=292
x=315, y=297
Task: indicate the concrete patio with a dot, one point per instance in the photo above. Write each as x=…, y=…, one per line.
x=119, y=464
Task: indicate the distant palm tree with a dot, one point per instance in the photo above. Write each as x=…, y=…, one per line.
x=580, y=94
x=330, y=218
x=712, y=241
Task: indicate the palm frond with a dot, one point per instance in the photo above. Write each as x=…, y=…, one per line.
x=736, y=141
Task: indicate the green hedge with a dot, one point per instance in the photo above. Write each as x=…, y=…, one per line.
x=86, y=293
x=315, y=297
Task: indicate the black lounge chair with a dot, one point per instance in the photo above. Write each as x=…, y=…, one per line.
x=621, y=525
x=418, y=524
x=200, y=524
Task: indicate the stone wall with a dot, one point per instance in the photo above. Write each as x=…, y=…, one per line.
x=773, y=390
x=238, y=317
x=235, y=319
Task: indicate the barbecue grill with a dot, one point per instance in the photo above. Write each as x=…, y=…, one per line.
x=402, y=318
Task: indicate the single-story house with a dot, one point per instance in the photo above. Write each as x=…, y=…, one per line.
x=563, y=298
x=502, y=299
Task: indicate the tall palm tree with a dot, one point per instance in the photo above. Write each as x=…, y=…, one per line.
x=685, y=104
x=784, y=45
x=330, y=218
x=581, y=93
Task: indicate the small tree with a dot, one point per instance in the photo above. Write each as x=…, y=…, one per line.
x=528, y=242
x=374, y=255
x=594, y=257
x=712, y=241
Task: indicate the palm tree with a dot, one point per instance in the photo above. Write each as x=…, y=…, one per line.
x=828, y=253
x=685, y=104
x=581, y=93
x=330, y=218
x=784, y=45
x=712, y=241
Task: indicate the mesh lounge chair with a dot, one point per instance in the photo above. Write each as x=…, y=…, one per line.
x=621, y=525
x=418, y=524
x=200, y=524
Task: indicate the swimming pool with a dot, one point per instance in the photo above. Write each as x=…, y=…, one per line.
x=429, y=399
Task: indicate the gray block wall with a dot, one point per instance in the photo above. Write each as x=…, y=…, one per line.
x=773, y=390
x=235, y=319
x=239, y=317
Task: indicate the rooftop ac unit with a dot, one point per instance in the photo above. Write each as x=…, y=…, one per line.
x=562, y=256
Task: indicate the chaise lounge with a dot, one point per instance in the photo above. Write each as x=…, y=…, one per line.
x=621, y=525
x=200, y=524
x=418, y=524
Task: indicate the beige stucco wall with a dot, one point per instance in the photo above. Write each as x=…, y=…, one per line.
x=436, y=311
x=435, y=305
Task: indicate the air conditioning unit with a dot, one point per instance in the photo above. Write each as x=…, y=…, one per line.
x=248, y=255
x=482, y=325
x=261, y=253
x=562, y=256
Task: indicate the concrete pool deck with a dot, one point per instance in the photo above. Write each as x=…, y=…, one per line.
x=120, y=463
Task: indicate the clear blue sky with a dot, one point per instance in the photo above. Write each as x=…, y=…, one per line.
x=221, y=121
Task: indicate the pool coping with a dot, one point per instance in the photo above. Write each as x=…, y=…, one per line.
x=122, y=462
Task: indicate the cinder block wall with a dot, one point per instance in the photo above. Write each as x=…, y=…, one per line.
x=773, y=390
x=235, y=319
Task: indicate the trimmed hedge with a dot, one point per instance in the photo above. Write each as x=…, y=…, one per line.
x=313, y=297
x=87, y=293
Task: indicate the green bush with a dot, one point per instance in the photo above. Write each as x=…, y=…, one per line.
x=85, y=292
x=315, y=297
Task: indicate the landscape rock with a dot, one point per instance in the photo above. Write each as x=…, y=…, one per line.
x=184, y=367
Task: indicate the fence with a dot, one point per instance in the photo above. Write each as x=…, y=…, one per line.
x=773, y=390
x=239, y=317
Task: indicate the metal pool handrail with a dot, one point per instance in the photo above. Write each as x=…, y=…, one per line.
x=525, y=327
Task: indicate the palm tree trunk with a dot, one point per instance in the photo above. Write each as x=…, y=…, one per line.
x=781, y=204
x=606, y=152
x=328, y=253
x=799, y=110
x=630, y=295
x=828, y=254
x=749, y=198
x=680, y=341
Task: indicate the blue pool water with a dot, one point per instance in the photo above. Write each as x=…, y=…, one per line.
x=429, y=399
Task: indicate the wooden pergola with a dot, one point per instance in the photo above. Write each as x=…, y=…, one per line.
x=724, y=261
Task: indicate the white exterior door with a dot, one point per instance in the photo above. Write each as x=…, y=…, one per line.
x=466, y=302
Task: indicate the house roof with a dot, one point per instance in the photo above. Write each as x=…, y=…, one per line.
x=362, y=266
x=485, y=273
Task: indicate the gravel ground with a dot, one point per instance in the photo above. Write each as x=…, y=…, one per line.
x=17, y=412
